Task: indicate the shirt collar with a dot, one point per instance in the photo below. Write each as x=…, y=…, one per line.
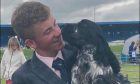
x=49, y=60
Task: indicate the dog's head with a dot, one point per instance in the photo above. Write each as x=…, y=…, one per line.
x=87, y=32
x=81, y=33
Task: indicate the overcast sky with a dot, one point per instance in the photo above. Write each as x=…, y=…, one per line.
x=75, y=10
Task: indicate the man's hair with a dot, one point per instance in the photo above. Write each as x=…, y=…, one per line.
x=26, y=16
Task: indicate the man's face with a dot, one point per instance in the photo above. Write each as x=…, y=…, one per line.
x=48, y=36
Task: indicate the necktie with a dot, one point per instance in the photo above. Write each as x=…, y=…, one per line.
x=58, y=64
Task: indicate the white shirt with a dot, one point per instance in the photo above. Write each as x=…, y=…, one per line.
x=49, y=60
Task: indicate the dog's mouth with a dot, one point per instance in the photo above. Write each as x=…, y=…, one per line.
x=82, y=41
x=79, y=42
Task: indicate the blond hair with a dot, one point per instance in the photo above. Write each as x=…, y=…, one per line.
x=12, y=41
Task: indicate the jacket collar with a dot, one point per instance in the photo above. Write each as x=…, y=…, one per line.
x=44, y=72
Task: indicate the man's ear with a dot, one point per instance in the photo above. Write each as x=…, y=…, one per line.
x=30, y=43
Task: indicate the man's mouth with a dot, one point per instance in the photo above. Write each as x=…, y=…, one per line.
x=57, y=40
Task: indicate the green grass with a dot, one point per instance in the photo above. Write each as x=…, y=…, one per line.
x=3, y=82
x=28, y=53
x=126, y=69
x=1, y=53
x=117, y=48
x=132, y=71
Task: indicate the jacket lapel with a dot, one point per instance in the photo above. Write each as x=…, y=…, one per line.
x=44, y=72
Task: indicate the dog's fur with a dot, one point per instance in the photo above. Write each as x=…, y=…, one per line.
x=96, y=64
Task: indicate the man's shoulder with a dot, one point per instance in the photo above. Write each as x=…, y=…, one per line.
x=22, y=74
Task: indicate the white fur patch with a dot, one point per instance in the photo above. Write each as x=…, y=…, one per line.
x=87, y=70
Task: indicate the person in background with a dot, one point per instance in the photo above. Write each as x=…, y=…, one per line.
x=52, y=59
x=132, y=52
x=138, y=48
x=12, y=59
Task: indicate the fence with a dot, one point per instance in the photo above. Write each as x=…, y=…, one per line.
x=130, y=68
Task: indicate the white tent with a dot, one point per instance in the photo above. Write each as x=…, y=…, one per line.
x=127, y=43
x=125, y=55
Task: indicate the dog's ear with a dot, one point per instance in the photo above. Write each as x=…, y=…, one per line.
x=105, y=50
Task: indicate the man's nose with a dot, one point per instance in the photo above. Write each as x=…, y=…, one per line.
x=57, y=31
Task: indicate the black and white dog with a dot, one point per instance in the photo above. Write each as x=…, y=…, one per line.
x=96, y=64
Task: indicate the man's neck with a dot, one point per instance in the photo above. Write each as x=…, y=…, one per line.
x=47, y=54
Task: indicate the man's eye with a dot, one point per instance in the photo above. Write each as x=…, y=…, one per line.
x=48, y=31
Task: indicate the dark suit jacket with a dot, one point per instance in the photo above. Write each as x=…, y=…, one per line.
x=35, y=71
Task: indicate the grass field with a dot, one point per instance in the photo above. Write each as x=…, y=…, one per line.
x=130, y=70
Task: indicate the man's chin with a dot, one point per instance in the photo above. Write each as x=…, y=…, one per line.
x=60, y=45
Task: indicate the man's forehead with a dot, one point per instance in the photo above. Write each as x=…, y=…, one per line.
x=46, y=23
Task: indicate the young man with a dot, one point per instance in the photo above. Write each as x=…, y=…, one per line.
x=34, y=23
